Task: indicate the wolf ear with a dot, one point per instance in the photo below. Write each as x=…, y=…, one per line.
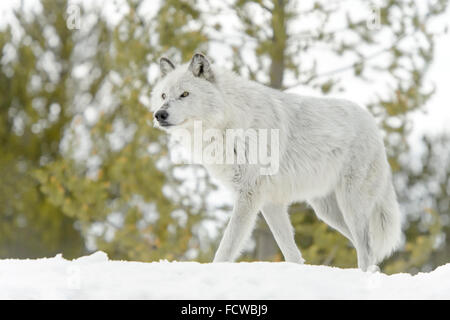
x=201, y=67
x=166, y=65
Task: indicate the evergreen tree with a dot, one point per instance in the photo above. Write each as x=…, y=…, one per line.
x=82, y=163
x=33, y=114
x=124, y=192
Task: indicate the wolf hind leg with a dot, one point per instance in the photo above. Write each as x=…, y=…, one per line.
x=327, y=209
x=277, y=217
x=357, y=207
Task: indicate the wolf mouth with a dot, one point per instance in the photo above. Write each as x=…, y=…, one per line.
x=167, y=124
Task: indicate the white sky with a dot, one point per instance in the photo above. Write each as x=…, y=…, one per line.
x=438, y=108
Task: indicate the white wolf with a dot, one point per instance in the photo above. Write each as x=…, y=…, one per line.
x=331, y=155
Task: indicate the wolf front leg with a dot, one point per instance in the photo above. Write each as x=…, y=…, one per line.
x=277, y=218
x=239, y=228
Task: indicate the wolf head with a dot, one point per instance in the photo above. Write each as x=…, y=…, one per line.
x=186, y=93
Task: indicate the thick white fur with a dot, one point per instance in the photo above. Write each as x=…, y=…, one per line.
x=331, y=156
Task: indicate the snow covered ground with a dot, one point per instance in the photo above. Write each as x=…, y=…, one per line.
x=96, y=277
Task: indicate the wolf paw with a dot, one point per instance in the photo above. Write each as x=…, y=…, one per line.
x=373, y=269
x=298, y=260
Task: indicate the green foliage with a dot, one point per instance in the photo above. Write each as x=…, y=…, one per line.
x=172, y=18
x=418, y=249
x=428, y=241
x=123, y=198
x=32, y=118
x=126, y=186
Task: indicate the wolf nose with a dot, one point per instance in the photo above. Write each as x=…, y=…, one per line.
x=161, y=115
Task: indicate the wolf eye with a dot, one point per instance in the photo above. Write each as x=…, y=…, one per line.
x=163, y=96
x=184, y=94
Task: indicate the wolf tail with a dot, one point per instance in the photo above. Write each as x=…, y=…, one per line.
x=385, y=225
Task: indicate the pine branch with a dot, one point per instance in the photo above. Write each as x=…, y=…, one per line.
x=350, y=66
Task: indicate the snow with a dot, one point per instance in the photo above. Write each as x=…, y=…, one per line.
x=97, y=277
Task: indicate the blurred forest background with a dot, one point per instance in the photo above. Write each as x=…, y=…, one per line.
x=82, y=168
